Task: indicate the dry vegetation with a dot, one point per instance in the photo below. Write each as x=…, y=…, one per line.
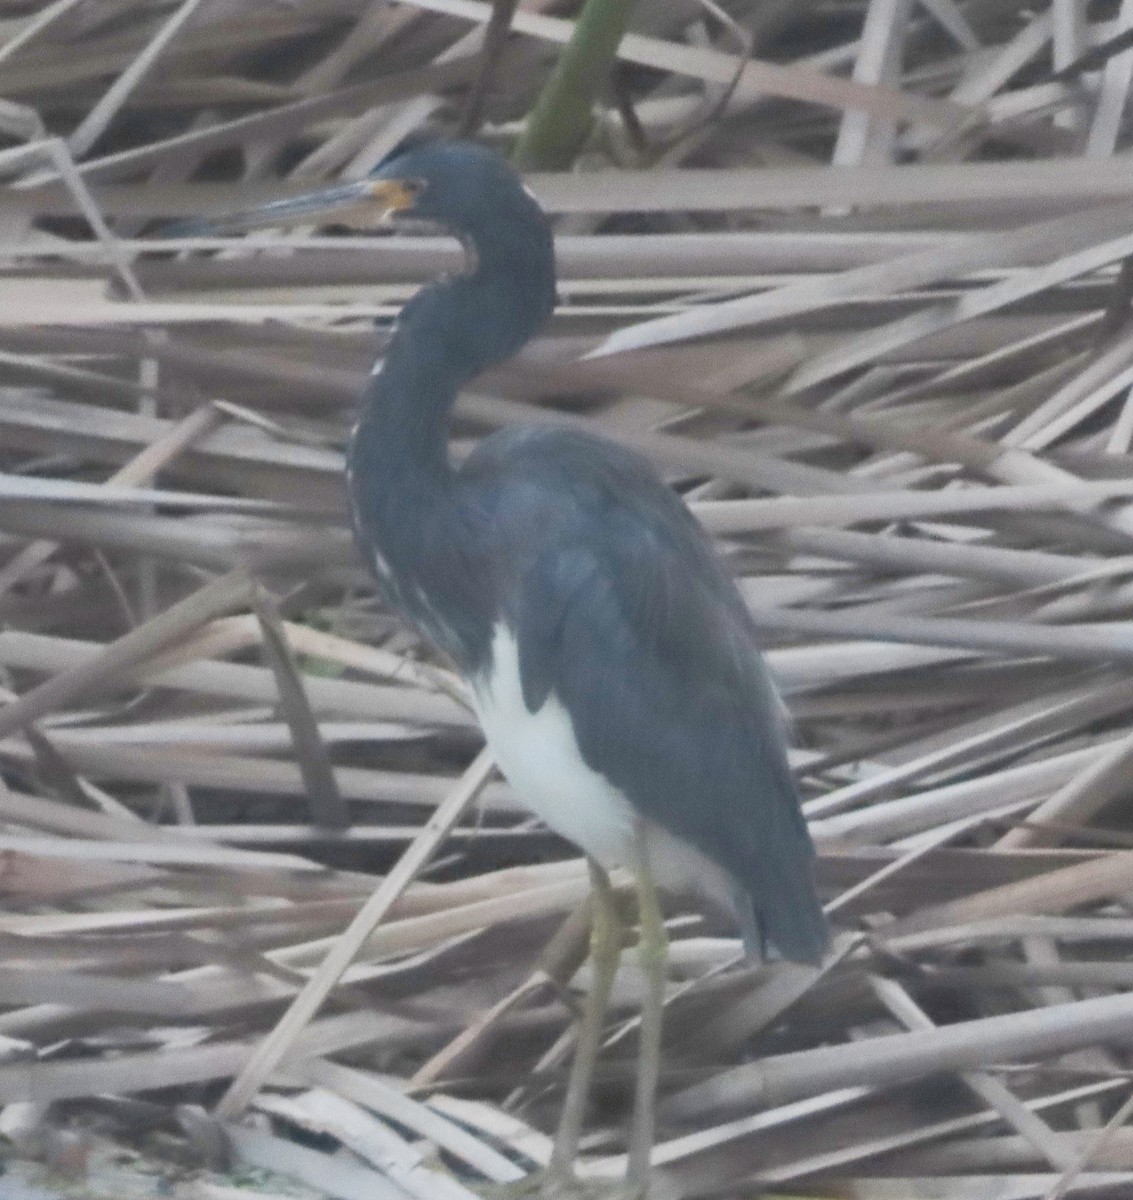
x=863, y=271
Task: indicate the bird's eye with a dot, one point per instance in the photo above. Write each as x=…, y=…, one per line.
x=413, y=186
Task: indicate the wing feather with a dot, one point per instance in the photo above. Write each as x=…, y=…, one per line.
x=625, y=613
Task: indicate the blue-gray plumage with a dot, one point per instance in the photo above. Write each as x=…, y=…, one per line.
x=612, y=662
x=567, y=552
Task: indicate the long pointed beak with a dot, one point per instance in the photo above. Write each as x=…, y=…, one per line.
x=361, y=205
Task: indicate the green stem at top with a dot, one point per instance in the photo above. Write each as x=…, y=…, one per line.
x=560, y=120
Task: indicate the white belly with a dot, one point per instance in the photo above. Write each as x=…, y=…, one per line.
x=539, y=755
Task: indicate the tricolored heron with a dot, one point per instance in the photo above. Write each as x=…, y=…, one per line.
x=612, y=660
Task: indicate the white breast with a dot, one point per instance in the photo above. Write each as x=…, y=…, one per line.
x=539, y=755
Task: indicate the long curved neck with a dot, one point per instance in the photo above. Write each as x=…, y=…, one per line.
x=448, y=333
x=405, y=497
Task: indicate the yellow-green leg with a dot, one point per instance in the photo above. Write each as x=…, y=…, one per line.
x=605, y=950
x=653, y=950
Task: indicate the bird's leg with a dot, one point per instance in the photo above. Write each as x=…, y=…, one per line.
x=605, y=951
x=653, y=950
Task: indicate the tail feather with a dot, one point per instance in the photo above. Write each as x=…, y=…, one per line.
x=793, y=922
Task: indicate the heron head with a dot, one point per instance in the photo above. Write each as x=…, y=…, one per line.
x=459, y=185
x=466, y=189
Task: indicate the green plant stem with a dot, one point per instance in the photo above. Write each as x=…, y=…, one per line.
x=560, y=120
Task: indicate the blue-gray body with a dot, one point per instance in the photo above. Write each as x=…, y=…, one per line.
x=619, y=608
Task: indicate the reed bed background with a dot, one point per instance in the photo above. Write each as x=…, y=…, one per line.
x=857, y=277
